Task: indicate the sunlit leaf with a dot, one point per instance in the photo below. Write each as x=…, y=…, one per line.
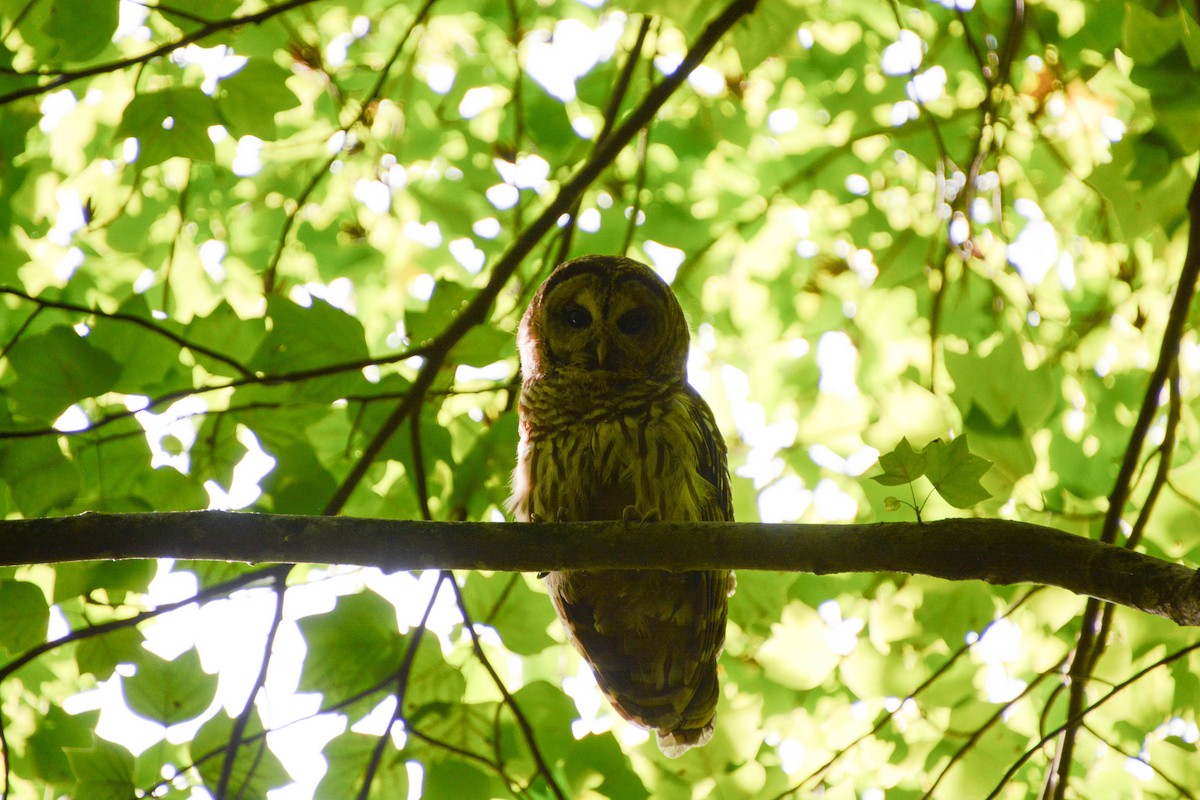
x=900, y=466
x=24, y=615
x=104, y=771
x=170, y=123
x=169, y=691
x=955, y=472
x=57, y=368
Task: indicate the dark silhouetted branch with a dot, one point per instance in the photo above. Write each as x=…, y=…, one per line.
x=992, y=550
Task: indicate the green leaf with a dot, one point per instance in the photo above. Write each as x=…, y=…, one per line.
x=451, y=780
x=447, y=301
x=902, y=465
x=600, y=757
x=56, y=733
x=145, y=357
x=82, y=27
x=249, y=99
x=223, y=331
x=347, y=757
x=547, y=708
x=303, y=338
x=24, y=616
x=168, y=692
x=114, y=578
x=1147, y=37
x=104, y=772
x=491, y=455
x=355, y=646
x=100, y=655
x=433, y=684
x=770, y=30
x=519, y=615
x=39, y=476
x=55, y=369
x=170, y=123
x=797, y=655
x=217, y=450
x=955, y=472
x=1001, y=385
x=256, y=770
x=299, y=484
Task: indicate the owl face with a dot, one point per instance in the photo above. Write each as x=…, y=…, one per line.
x=604, y=314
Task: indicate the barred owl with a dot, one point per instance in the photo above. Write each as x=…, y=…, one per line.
x=610, y=429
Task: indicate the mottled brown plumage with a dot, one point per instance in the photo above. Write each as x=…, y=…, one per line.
x=610, y=429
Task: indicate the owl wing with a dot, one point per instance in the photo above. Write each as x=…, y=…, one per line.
x=711, y=456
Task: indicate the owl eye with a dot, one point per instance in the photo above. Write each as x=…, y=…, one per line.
x=576, y=317
x=633, y=322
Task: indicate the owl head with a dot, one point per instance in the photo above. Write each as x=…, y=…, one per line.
x=605, y=315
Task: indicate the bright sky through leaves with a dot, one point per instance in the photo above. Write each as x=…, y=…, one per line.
x=936, y=244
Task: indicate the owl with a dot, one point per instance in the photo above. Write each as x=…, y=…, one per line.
x=610, y=429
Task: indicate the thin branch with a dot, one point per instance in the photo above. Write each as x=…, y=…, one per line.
x=987, y=725
x=79, y=634
x=133, y=319
x=419, y=478
x=1075, y=721
x=279, y=577
x=275, y=379
x=993, y=550
x=509, y=700
x=5, y=754
x=181, y=209
x=64, y=78
x=1176, y=785
x=611, y=111
x=402, y=676
x=477, y=310
x=270, y=275
x=1167, y=354
x=1092, y=635
x=885, y=720
x=635, y=210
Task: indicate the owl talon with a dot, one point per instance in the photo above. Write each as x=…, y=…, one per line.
x=559, y=516
x=631, y=514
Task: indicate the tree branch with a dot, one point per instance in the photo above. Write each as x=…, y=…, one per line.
x=477, y=310
x=59, y=79
x=992, y=550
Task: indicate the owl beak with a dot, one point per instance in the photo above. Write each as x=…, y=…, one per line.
x=601, y=352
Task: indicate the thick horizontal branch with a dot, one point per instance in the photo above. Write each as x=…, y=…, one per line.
x=996, y=551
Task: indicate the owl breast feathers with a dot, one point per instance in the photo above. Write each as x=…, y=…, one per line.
x=610, y=429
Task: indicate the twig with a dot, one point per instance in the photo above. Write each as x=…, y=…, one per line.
x=1074, y=721
x=913, y=695
x=279, y=577
x=270, y=275
x=107, y=627
x=478, y=309
x=64, y=78
x=1093, y=635
x=620, y=90
x=132, y=319
x=402, y=676
x=509, y=700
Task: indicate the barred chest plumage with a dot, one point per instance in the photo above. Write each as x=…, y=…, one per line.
x=637, y=452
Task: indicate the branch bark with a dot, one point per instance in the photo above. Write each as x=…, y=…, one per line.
x=992, y=550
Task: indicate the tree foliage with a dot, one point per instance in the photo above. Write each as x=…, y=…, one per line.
x=272, y=255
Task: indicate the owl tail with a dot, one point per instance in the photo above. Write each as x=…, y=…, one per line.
x=675, y=743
